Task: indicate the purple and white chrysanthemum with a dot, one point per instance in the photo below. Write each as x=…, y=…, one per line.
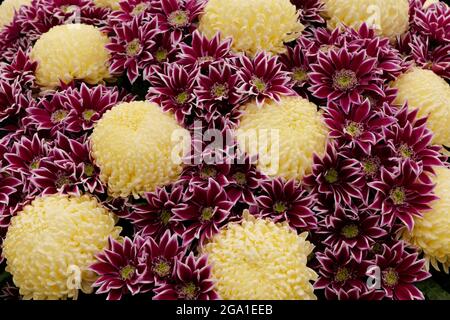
x=131, y=46
x=191, y=280
x=202, y=51
x=262, y=77
x=119, y=268
x=344, y=76
x=206, y=211
x=156, y=216
x=286, y=201
x=399, y=271
x=160, y=258
x=338, y=176
x=401, y=194
x=173, y=89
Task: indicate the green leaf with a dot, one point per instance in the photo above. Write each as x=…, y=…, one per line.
x=433, y=291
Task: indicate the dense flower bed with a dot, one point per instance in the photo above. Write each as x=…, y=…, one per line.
x=356, y=205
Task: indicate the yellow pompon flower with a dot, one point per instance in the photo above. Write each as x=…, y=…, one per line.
x=254, y=25
x=113, y=4
x=258, y=259
x=7, y=9
x=430, y=93
x=51, y=243
x=71, y=51
x=283, y=135
x=133, y=146
x=389, y=17
x=431, y=233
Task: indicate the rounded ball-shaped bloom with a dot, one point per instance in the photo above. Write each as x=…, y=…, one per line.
x=431, y=232
x=258, y=259
x=68, y=52
x=283, y=135
x=390, y=18
x=113, y=4
x=7, y=9
x=254, y=25
x=430, y=93
x=133, y=147
x=52, y=242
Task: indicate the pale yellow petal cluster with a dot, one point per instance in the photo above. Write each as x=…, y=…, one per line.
x=71, y=52
x=430, y=93
x=431, y=233
x=389, y=17
x=113, y=4
x=284, y=135
x=254, y=25
x=52, y=242
x=7, y=9
x=258, y=259
x=134, y=147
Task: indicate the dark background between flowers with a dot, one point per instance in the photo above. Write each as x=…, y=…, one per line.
x=435, y=288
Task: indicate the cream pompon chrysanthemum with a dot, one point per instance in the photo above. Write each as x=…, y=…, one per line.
x=258, y=259
x=113, y=4
x=431, y=232
x=389, y=17
x=284, y=135
x=69, y=52
x=254, y=25
x=133, y=145
x=51, y=243
x=7, y=9
x=430, y=93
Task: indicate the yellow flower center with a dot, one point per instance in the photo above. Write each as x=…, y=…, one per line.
x=344, y=80
x=390, y=277
x=332, y=176
x=259, y=84
x=299, y=75
x=161, y=267
x=207, y=214
x=354, y=129
x=138, y=9
x=35, y=163
x=279, y=207
x=398, y=195
x=127, y=272
x=133, y=48
x=342, y=275
x=88, y=114
x=220, y=90
x=189, y=291
x=241, y=178
x=179, y=18
x=58, y=116
x=165, y=217
x=208, y=172
x=161, y=54
x=89, y=169
x=182, y=97
x=370, y=166
x=405, y=151
x=350, y=231
x=62, y=181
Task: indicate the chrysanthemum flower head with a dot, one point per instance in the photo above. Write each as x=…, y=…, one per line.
x=253, y=25
x=69, y=52
x=293, y=131
x=8, y=8
x=428, y=92
x=258, y=259
x=431, y=232
x=132, y=144
x=113, y=4
x=391, y=18
x=51, y=243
